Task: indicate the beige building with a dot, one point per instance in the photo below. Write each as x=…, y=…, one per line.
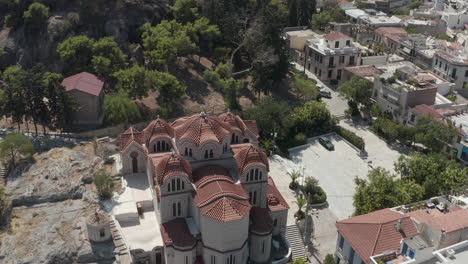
x=328, y=55
x=453, y=66
x=200, y=193
x=87, y=91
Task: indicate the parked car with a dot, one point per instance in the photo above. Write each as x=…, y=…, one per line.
x=325, y=94
x=326, y=143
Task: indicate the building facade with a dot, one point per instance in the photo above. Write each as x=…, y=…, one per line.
x=211, y=193
x=328, y=55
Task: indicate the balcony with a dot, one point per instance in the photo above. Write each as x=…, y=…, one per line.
x=332, y=66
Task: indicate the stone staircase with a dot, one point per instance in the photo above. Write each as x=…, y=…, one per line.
x=296, y=242
x=120, y=245
x=3, y=175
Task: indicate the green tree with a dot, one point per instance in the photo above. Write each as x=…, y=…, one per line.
x=382, y=190
x=329, y=259
x=313, y=118
x=433, y=134
x=321, y=20
x=301, y=11
x=14, y=146
x=165, y=42
x=120, y=109
x=170, y=89
x=300, y=202
x=306, y=89
x=185, y=11
x=272, y=116
x=294, y=175
x=357, y=90
x=61, y=106
x=104, y=185
x=3, y=101
x=414, y=4
x=77, y=52
x=36, y=16
x=15, y=106
x=107, y=57
x=136, y=81
x=435, y=172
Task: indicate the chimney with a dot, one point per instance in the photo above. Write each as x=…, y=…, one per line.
x=398, y=225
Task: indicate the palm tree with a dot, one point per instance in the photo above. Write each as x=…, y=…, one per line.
x=294, y=176
x=301, y=202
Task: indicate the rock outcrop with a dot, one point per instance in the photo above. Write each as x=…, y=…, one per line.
x=55, y=176
x=118, y=18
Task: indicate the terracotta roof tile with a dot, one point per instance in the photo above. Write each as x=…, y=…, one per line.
x=129, y=136
x=177, y=233
x=207, y=174
x=247, y=155
x=201, y=128
x=171, y=164
x=426, y=110
x=237, y=124
x=226, y=209
x=391, y=31
x=448, y=222
x=335, y=35
x=261, y=220
x=275, y=200
x=376, y=232
x=85, y=82
x=158, y=128
x=364, y=71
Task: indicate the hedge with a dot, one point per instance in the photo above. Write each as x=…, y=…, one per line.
x=351, y=137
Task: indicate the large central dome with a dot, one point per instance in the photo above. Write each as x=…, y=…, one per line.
x=201, y=128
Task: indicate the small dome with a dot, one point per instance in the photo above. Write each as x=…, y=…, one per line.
x=248, y=155
x=170, y=165
x=201, y=128
x=158, y=128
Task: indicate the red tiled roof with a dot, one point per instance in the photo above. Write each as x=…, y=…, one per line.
x=201, y=128
x=222, y=200
x=391, y=31
x=335, y=35
x=210, y=173
x=275, y=200
x=226, y=209
x=426, y=110
x=261, y=220
x=248, y=155
x=158, y=128
x=395, y=38
x=129, y=136
x=376, y=232
x=85, y=82
x=177, y=233
x=237, y=124
x=252, y=125
x=171, y=164
x=448, y=222
x=425, y=78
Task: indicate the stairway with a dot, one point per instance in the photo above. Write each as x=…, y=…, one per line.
x=296, y=243
x=120, y=245
x=3, y=175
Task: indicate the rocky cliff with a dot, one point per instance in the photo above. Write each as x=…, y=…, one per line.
x=94, y=18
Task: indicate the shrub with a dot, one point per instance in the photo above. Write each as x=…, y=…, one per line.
x=329, y=259
x=351, y=137
x=104, y=185
x=300, y=139
x=315, y=193
x=36, y=16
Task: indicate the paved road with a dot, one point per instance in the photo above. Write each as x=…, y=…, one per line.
x=337, y=105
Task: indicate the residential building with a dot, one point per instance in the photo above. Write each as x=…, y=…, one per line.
x=403, y=87
x=87, y=91
x=364, y=236
x=367, y=72
x=382, y=35
x=329, y=54
x=296, y=38
x=418, y=233
x=452, y=64
x=198, y=191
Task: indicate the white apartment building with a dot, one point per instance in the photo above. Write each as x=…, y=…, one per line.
x=452, y=65
x=328, y=55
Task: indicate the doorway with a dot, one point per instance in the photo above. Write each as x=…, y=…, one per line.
x=134, y=157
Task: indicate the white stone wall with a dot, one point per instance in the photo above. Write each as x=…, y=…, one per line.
x=260, y=248
x=211, y=256
x=95, y=231
x=175, y=256
x=166, y=206
x=224, y=236
x=345, y=252
x=261, y=189
x=281, y=221
x=153, y=145
x=127, y=166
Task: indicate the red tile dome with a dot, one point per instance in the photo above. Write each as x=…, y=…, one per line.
x=170, y=165
x=201, y=128
x=248, y=155
x=158, y=128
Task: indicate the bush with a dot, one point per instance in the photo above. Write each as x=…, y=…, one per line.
x=104, y=185
x=36, y=16
x=300, y=139
x=329, y=259
x=316, y=194
x=351, y=137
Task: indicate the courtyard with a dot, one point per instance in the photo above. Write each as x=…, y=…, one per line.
x=335, y=171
